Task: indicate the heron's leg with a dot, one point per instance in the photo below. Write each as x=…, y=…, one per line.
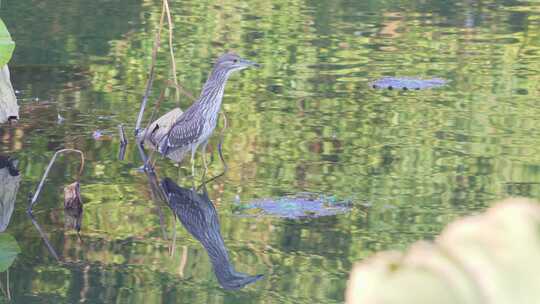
x=193, y=166
x=204, y=158
x=178, y=172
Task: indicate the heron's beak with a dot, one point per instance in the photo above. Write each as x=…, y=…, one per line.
x=250, y=63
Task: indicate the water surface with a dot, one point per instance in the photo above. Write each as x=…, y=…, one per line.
x=308, y=121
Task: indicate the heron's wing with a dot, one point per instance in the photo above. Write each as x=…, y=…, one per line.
x=154, y=133
x=185, y=131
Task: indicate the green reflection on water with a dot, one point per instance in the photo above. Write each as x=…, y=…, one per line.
x=306, y=121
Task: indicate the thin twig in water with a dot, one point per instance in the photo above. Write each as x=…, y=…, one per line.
x=158, y=196
x=150, y=81
x=147, y=129
x=122, y=134
x=146, y=165
x=153, y=115
x=181, y=89
x=156, y=110
x=53, y=159
x=171, y=49
x=123, y=142
x=44, y=237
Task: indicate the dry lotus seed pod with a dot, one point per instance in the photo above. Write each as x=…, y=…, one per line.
x=73, y=205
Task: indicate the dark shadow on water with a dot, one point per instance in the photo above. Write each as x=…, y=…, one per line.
x=198, y=214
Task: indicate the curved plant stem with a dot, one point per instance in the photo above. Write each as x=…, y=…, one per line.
x=42, y=182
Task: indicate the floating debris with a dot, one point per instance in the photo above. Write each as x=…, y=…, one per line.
x=299, y=206
x=405, y=83
x=97, y=134
x=100, y=135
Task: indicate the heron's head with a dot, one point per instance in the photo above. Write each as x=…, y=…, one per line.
x=231, y=62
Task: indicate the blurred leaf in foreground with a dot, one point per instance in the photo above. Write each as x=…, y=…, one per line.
x=6, y=44
x=9, y=111
x=489, y=258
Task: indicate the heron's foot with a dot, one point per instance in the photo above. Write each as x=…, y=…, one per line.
x=146, y=168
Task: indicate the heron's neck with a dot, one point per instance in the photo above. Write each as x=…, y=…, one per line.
x=215, y=247
x=212, y=92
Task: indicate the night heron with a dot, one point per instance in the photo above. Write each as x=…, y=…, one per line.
x=195, y=126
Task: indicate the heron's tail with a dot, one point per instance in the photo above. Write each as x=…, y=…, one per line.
x=163, y=145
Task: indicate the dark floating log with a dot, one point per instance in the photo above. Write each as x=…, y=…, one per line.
x=406, y=83
x=198, y=214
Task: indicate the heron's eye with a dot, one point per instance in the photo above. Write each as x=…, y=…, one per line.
x=235, y=60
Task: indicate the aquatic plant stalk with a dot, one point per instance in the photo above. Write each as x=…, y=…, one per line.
x=44, y=237
x=150, y=80
x=171, y=49
x=122, y=134
x=123, y=142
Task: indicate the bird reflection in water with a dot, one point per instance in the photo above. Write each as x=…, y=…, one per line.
x=198, y=214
